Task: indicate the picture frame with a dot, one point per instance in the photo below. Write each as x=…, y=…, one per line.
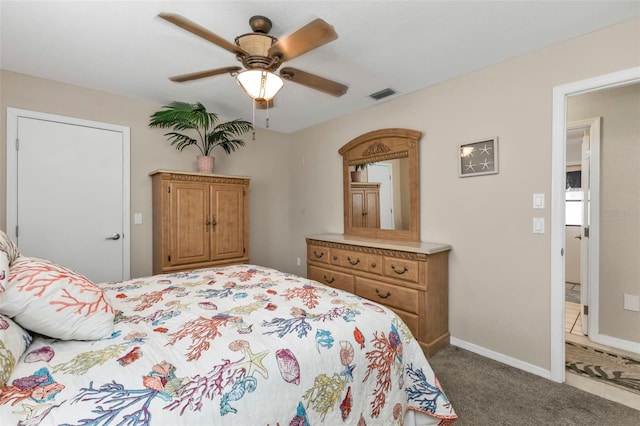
x=479, y=157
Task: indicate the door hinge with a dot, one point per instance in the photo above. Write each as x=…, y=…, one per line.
x=585, y=309
x=16, y=231
x=17, y=144
x=586, y=232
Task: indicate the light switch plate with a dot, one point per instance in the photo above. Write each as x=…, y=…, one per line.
x=538, y=225
x=137, y=219
x=538, y=201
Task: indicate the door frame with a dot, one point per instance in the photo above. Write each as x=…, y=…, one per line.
x=13, y=114
x=558, y=177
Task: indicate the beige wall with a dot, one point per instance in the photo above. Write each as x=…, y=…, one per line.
x=499, y=270
x=619, y=203
x=264, y=160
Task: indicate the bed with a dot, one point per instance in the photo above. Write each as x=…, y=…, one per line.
x=237, y=345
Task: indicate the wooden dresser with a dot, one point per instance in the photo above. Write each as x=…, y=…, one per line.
x=410, y=278
x=199, y=220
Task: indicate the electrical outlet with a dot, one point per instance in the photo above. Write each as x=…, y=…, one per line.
x=298, y=261
x=137, y=219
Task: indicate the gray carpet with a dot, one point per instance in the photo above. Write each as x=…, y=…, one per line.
x=486, y=392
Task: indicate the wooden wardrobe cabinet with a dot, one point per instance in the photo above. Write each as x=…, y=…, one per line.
x=365, y=204
x=199, y=220
x=409, y=278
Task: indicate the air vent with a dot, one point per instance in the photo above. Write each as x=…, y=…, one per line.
x=382, y=94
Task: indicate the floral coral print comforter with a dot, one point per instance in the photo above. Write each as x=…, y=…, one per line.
x=239, y=345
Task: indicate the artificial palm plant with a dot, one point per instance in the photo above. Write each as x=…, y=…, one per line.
x=203, y=129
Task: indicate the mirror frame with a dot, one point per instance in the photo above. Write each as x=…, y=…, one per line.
x=380, y=145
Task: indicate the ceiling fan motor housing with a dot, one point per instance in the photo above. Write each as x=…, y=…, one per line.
x=257, y=45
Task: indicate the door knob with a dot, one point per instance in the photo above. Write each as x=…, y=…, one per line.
x=113, y=237
x=578, y=237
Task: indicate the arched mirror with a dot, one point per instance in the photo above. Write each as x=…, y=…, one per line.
x=381, y=185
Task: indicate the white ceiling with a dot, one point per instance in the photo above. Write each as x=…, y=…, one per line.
x=122, y=47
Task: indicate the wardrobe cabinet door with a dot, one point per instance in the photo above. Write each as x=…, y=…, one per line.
x=227, y=228
x=189, y=232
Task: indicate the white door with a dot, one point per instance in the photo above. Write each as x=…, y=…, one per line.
x=584, y=241
x=69, y=193
x=381, y=172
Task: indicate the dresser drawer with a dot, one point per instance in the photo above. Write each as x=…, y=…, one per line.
x=331, y=278
x=388, y=294
x=407, y=270
x=318, y=254
x=357, y=261
x=336, y=257
x=354, y=260
x=374, y=264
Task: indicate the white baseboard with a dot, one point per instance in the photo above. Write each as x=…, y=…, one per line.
x=497, y=356
x=614, y=342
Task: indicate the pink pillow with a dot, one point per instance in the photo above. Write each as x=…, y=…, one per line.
x=52, y=300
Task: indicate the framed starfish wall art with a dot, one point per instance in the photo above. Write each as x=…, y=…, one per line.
x=478, y=158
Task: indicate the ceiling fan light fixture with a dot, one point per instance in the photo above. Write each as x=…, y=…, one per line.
x=260, y=85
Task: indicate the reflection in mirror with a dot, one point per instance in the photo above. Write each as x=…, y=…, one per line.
x=381, y=185
x=380, y=194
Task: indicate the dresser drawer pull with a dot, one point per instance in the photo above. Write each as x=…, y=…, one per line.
x=335, y=257
x=383, y=296
x=318, y=256
x=373, y=264
x=329, y=281
x=397, y=271
x=352, y=262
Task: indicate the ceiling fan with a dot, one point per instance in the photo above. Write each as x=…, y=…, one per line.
x=262, y=54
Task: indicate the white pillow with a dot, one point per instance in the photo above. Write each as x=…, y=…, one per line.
x=52, y=300
x=7, y=246
x=4, y=270
x=13, y=342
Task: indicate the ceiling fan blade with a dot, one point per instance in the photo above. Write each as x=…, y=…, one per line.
x=313, y=81
x=196, y=29
x=313, y=35
x=202, y=74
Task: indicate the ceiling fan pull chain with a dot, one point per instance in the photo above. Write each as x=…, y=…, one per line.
x=267, y=121
x=253, y=123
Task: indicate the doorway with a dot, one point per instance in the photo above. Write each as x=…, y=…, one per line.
x=582, y=152
x=560, y=95
x=382, y=172
x=68, y=192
